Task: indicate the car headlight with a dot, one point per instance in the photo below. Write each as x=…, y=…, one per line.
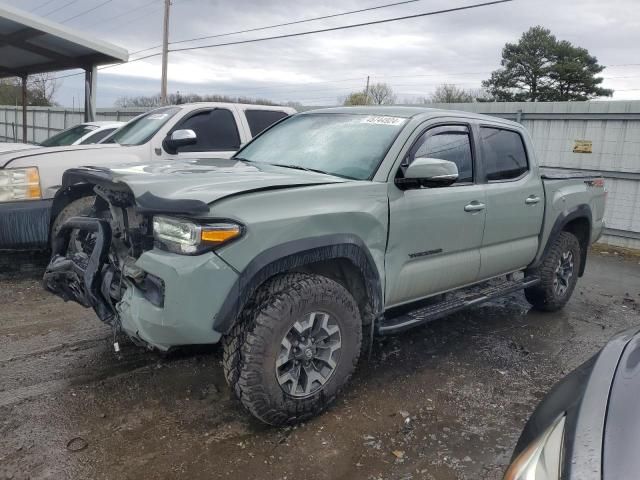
x=542, y=459
x=187, y=237
x=19, y=184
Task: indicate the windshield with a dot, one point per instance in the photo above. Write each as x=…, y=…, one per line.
x=141, y=129
x=67, y=137
x=347, y=145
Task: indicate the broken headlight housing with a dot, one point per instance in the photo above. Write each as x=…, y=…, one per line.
x=542, y=459
x=187, y=237
x=19, y=184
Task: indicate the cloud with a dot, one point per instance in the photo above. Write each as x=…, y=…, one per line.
x=414, y=56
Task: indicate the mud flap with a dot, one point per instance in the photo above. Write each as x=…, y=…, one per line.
x=78, y=276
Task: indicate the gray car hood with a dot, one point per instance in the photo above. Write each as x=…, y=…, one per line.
x=203, y=180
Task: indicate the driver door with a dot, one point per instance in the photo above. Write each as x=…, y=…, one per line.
x=217, y=134
x=435, y=234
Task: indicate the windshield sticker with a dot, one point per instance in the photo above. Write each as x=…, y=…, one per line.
x=157, y=116
x=383, y=120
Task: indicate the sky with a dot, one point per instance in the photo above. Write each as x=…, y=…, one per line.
x=414, y=56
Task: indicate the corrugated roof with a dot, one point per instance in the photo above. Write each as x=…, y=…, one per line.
x=31, y=44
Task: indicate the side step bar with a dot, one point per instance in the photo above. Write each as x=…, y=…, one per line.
x=465, y=298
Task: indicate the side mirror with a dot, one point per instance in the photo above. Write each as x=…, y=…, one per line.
x=179, y=138
x=428, y=172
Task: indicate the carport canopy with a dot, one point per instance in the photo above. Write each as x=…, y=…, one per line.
x=31, y=45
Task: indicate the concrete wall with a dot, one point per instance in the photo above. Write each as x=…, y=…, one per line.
x=613, y=127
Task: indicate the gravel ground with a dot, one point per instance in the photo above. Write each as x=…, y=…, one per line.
x=445, y=401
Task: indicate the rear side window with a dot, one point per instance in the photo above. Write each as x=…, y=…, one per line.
x=503, y=154
x=259, y=120
x=96, y=137
x=215, y=131
x=448, y=143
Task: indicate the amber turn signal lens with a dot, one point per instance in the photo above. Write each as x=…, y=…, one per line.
x=219, y=233
x=33, y=184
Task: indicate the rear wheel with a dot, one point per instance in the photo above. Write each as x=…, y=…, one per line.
x=299, y=347
x=558, y=274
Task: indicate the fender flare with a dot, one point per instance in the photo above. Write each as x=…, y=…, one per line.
x=295, y=254
x=579, y=211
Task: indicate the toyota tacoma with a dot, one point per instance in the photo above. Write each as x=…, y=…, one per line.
x=330, y=227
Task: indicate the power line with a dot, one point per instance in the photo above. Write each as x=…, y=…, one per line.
x=86, y=11
x=43, y=4
x=295, y=22
x=128, y=12
x=344, y=27
x=57, y=9
x=134, y=19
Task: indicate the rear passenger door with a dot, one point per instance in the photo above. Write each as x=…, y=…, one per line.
x=216, y=131
x=259, y=120
x=515, y=202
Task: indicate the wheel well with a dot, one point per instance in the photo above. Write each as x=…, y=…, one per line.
x=67, y=196
x=343, y=271
x=581, y=229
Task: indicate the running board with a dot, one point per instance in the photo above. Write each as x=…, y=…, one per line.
x=465, y=298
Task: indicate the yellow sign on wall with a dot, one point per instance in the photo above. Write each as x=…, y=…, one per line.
x=583, y=146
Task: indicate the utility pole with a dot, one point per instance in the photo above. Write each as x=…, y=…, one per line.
x=165, y=52
x=366, y=91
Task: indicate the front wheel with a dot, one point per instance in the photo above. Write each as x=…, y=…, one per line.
x=299, y=348
x=558, y=274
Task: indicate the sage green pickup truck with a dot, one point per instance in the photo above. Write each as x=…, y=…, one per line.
x=330, y=227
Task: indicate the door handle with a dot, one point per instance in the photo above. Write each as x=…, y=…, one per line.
x=532, y=200
x=474, y=207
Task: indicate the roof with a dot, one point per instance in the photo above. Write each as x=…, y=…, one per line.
x=409, y=112
x=30, y=44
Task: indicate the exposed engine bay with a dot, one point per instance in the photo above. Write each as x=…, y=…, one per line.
x=93, y=257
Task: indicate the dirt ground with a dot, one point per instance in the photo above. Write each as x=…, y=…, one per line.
x=445, y=401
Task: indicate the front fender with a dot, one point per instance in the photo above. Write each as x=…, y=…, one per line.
x=295, y=254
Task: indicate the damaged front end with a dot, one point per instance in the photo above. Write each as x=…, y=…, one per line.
x=93, y=257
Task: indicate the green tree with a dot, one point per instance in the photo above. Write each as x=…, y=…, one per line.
x=573, y=76
x=540, y=68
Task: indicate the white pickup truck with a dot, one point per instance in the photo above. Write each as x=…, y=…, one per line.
x=30, y=178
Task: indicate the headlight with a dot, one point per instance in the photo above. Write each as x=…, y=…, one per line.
x=184, y=236
x=19, y=184
x=542, y=459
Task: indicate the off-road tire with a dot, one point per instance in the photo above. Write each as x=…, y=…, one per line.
x=233, y=341
x=281, y=303
x=79, y=207
x=543, y=296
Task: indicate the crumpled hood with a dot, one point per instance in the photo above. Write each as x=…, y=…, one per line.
x=202, y=180
x=40, y=153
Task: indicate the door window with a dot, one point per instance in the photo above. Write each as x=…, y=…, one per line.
x=450, y=143
x=259, y=120
x=215, y=131
x=503, y=154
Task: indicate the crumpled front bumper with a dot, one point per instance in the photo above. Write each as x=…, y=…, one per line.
x=193, y=289
x=79, y=277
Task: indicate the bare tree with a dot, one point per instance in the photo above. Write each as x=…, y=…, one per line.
x=150, y=101
x=449, y=93
x=42, y=89
x=381, y=94
x=356, y=98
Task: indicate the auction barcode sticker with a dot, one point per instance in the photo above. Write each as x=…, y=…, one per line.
x=383, y=120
